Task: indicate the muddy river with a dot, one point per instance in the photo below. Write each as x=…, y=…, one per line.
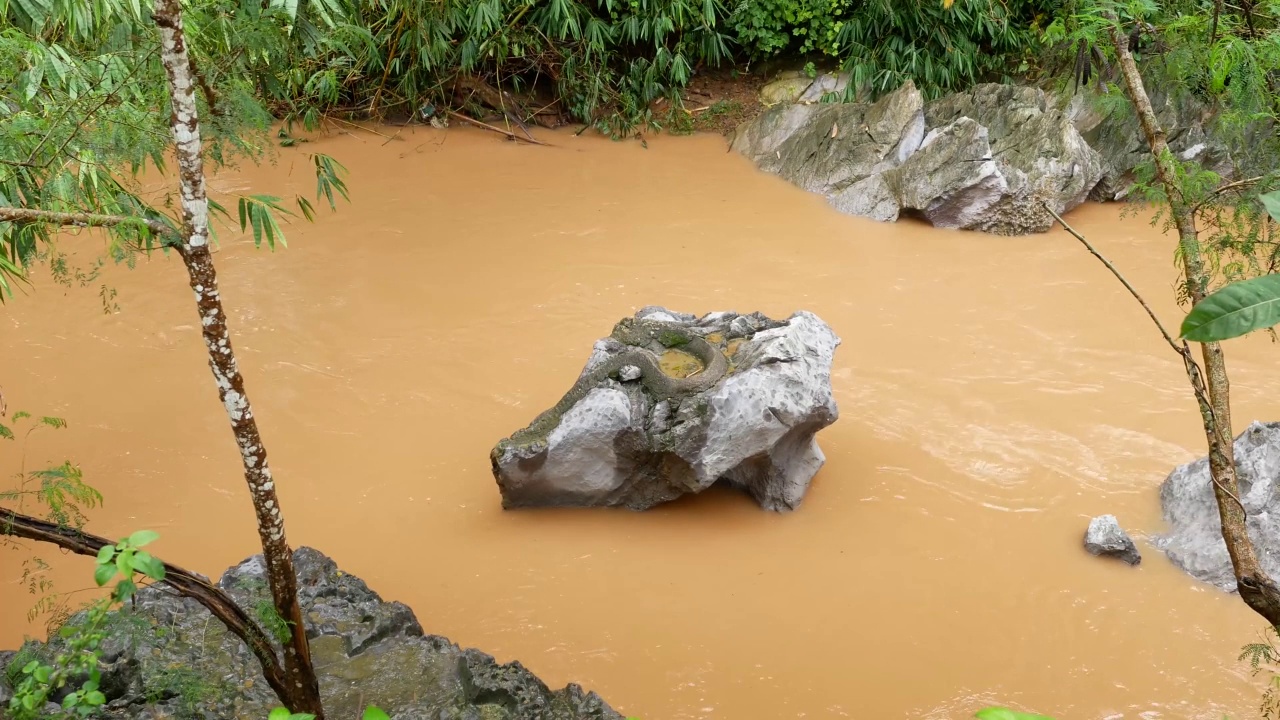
x=994, y=394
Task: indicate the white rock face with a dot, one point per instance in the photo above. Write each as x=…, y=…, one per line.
x=1194, y=541
x=754, y=428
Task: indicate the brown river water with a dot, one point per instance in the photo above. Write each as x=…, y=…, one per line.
x=994, y=394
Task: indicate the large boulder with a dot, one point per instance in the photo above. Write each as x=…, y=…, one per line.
x=1194, y=541
x=670, y=404
x=166, y=656
x=991, y=160
x=1036, y=148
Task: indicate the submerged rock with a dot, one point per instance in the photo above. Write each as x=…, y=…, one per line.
x=726, y=397
x=167, y=657
x=1194, y=541
x=1106, y=538
x=992, y=156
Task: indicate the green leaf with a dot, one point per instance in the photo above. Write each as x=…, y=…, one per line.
x=105, y=554
x=1271, y=201
x=1234, y=310
x=149, y=565
x=42, y=673
x=143, y=537
x=998, y=713
x=104, y=573
x=93, y=698
x=278, y=714
x=375, y=713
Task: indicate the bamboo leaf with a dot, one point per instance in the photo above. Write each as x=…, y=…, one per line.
x=1236, y=309
x=1271, y=201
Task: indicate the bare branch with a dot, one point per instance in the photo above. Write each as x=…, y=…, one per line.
x=185, y=582
x=77, y=219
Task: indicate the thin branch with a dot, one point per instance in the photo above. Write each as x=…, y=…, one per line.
x=185, y=582
x=1192, y=368
x=1094, y=251
x=1226, y=188
x=30, y=215
x=498, y=130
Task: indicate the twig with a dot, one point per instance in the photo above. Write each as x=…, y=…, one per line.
x=1225, y=188
x=12, y=214
x=1094, y=251
x=358, y=127
x=498, y=130
x=1194, y=374
x=185, y=582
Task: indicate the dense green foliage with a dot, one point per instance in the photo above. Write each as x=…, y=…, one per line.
x=614, y=64
x=882, y=43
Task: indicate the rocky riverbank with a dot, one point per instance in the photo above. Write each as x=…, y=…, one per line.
x=167, y=657
x=995, y=158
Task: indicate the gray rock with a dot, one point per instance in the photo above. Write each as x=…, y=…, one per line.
x=991, y=159
x=951, y=181
x=1037, y=149
x=1194, y=541
x=623, y=443
x=1112, y=129
x=167, y=657
x=824, y=86
x=1106, y=538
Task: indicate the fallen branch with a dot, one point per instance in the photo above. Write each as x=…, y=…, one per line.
x=498, y=130
x=185, y=582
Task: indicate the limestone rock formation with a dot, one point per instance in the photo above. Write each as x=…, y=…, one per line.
x=168, y=658
x=1122, y=147
x=991, y=158
x=1106, y=538
x=1194, y=541
x=670, y=404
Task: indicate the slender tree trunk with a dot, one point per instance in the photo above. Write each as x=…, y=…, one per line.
x=304, y=691
x=1256, y=588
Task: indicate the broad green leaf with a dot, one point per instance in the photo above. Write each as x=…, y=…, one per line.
x=42, y=673
x=374, y=713
x=1271, y=201
x=106, y=553
x=278, y=714
x=1234, y=310
x=997, y=713
x=94, y=698
x=103, y=574
x=149, y=565
x=143, y=537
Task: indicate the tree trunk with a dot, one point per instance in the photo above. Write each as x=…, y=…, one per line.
x=1256, y=588
x=303, y=690
x=184, y=582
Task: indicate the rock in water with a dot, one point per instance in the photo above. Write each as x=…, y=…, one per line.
x=986, y=159
x=729, y=397
x=167, y=657
x=1105, y=537
x=1194, y=541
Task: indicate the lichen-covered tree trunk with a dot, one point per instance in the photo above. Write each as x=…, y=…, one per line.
x=1256, y=588
x=303, y=687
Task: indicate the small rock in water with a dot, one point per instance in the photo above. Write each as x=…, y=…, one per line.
x=1105, y=537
